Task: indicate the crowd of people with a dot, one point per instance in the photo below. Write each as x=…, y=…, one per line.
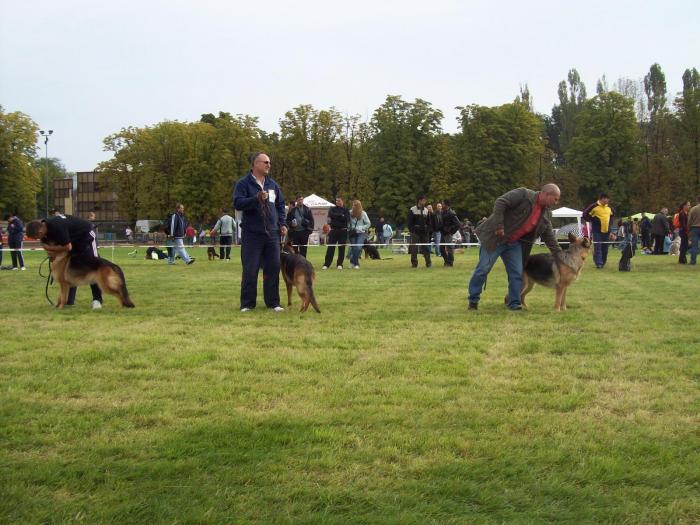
x=519, y=218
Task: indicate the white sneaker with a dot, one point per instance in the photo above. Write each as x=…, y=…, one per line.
x=23, y=268
x=15, y=268
x=278, y=309
x=339, y=267
x=356, y=267
x=96, y=305
x=324, y=267
x=246, y=309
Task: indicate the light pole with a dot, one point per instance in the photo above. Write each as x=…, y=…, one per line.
x=46, y=135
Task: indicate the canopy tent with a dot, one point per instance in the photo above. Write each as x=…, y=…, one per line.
x=314, y=201
x=319, y=209
x=565, y=212
x=638, y=216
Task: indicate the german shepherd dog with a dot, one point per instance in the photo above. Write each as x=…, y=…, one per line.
x=371, y=251
x=298, y=272
x=71, y=271
x=211, y=253
x=556, y=272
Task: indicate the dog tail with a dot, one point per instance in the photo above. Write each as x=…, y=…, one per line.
x=312, y=296
x=122, y=292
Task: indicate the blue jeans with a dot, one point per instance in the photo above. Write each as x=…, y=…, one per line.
x=357, y=240
x=179, y=249
x=437, y=237
x=512, y=255
x=600, y=248
x=694, y=241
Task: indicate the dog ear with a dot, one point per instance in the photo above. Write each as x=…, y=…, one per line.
x=572, y=238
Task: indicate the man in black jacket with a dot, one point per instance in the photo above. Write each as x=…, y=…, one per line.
x=419, y=225
x=449, y=225
x=338, y=220
x=300, y=222
x=74, y=235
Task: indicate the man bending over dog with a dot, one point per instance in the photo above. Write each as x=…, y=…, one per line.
x=66, y=233
x=519, y=217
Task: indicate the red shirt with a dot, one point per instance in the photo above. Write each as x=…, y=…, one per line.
x=529, y=223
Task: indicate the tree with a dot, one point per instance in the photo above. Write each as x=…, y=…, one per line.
x=687, y=106
x=561, y=127
x=403, y=152
x=499, y=148
x=19, y=178
x=604, y=152
x=56, y=171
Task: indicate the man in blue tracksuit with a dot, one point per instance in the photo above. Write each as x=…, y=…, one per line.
x=263, y=223
x=15, y=236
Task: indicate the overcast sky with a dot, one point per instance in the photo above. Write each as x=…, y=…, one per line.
x=86, y=68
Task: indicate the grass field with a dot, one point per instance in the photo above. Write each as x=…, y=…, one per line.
x=395, y=405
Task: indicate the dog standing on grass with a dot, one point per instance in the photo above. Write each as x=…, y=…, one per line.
x=557, y=272
x=71, y=270
x=69, y=241
x=298, y=272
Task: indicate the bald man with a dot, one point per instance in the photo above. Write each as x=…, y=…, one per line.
x=519, y=217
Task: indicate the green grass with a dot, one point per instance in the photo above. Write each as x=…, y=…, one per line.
x=395, y=405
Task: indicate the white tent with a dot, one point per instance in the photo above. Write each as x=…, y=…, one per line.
x=319, y=208
x=568, y=213
x=314, y=201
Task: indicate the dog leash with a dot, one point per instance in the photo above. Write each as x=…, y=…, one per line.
x=49, y=279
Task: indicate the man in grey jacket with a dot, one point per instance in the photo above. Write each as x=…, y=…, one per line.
x=224, y=227
x=519, y=217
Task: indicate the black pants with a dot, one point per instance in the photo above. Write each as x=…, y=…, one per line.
x=300, y=240
x=340, y=237
x=448, y=254
x=87, y=248
x=684, y=248
x=420, y=238
x=659, y=244
x=259, y=250
x=646, y=239
x=225, y=247
x=16, y=254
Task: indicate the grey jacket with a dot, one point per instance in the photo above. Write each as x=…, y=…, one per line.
x=510, y=211
x=660, y=226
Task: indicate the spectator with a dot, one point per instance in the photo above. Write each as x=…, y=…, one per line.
x=225, y=227
x=176, y=232
x=659, y=230
x=600, y=215
x=359, y=226
x=436, y=226
x=190, y=234
x=379, y=231
x=387, y=233
x=338, y=222
x=260, y=199
x=645, y=228
x=419, y=219
x=683, y=231
x=15, y=237
x=449, y=225
x=519, y=217
x=129, y=235
x=694, y=229
x=300, y=222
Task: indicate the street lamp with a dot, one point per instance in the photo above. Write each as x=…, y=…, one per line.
x=46, y=135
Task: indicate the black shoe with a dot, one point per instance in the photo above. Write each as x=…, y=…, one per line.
x=473, y=306
x=191, y=261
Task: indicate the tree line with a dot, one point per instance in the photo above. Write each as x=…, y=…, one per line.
x=631, y=140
